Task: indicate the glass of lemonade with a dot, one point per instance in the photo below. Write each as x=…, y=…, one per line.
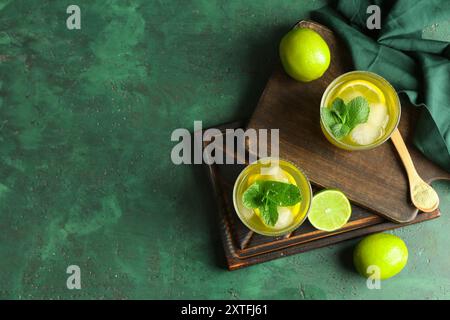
x=383, y=111
x=266, y=170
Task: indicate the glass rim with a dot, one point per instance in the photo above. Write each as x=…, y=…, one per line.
x=275, y=233
x=362, y=147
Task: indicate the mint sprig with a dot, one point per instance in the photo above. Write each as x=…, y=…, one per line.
x=341, y=118
x=267, y=195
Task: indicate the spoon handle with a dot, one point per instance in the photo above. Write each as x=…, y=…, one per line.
x=403, y=152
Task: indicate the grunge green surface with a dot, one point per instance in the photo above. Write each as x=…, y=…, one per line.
x=85, y=171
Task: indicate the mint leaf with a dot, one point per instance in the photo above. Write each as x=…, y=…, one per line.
x=342, y=118
x=269, y=213
x=358, y=111
x=253, y=196
x=339, y=109
x=340, y=130
x=328, y=117
x=282, y=194
x=267, y=195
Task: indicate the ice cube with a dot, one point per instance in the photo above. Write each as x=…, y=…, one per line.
x=378, y=116
x=366, y=133
x=271, y=171
x=275, y=173
x=280, y=178
x=285, y=218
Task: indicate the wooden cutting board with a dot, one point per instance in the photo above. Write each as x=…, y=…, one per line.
x=373, y=179
x=244, y=248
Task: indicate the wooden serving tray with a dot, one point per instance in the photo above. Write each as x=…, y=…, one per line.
x=244, y=247
x=373, y=179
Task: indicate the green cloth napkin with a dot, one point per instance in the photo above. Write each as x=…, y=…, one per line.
x=418, y=67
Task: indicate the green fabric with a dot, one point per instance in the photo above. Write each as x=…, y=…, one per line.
x=418, y=67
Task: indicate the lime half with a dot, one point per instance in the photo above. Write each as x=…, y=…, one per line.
x=330, y=210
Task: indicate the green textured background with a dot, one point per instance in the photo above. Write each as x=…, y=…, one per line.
x=85, y=171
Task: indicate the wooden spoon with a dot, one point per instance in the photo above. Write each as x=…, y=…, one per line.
x=423, y=195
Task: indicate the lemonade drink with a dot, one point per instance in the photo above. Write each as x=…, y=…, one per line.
x=383, y=116
x=289, y=217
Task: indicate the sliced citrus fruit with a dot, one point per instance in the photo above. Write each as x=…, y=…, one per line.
x=355, y=88
x=330, y=210
x=274, y=174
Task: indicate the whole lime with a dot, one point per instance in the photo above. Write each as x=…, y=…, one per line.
x=304, y=54
x=380, y=252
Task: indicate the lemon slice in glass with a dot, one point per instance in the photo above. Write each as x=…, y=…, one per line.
x=330, y=210
x=355, y=88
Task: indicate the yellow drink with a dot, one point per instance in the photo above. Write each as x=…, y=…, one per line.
x=289, y=218
x=384, y=106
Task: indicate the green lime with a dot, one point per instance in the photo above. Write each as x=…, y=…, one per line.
x=330, y=210
x=384, y=251
x=304, y=54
